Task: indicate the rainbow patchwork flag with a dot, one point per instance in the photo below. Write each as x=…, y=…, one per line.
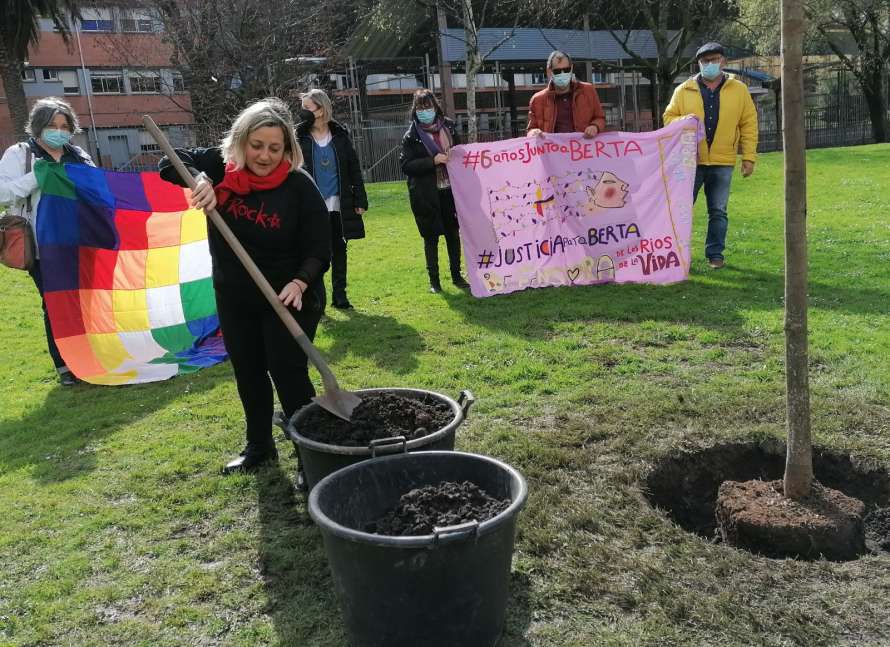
x=126, y=275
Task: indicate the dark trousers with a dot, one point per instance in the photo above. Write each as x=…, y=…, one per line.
x=452, y=240
x=259, y=346
x=338, y=259
x=50, y=342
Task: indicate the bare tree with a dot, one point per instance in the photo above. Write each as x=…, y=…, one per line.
x=867, y=22
x=799, y=458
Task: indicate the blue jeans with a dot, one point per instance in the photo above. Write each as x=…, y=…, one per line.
x=716, y=180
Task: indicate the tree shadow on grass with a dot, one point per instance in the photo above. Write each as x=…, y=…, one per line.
x=715, y=300
x=389, y=343
x=58, y=437
x=295, y=570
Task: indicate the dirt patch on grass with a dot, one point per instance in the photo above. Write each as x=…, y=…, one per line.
x=685, y=485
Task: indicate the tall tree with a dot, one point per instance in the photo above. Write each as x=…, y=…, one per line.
x=19, y=31
x=867, y=23
x=799, y=458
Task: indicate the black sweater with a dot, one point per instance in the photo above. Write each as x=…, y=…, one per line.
x=285, y=230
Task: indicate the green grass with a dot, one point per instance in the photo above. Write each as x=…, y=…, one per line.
x=118, y=529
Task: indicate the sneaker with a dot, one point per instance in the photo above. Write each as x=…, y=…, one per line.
x=342, y=304
x=716, y=263
x=460, y=282
x=435, y=287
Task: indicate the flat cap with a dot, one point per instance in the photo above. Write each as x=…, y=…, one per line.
x=709, y=48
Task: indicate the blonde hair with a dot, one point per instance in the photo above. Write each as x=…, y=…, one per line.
x=269, y=112
x=322, y=100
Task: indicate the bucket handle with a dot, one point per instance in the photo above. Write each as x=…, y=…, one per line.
x=385, y=442
x=447, y=534
x=466, y=400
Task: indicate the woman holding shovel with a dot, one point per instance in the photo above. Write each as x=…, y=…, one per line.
x=255, y=180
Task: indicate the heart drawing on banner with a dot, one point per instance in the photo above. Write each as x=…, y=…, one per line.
x=573, y=273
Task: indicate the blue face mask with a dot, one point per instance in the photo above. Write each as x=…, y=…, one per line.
x=55, y=138
x=426, y=116
x=562, y=79
x=709, y=70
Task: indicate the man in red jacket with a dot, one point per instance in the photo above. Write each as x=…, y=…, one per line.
x=565, y=105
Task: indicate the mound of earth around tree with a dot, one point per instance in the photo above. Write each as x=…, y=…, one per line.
x=379, y=415
x=437, y=506
x=757, y=515
x=684, y=484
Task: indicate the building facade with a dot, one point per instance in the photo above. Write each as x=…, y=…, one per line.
x=115, y=69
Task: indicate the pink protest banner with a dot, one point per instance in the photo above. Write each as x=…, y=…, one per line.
x=564, y=210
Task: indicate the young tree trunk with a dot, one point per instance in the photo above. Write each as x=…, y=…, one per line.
x=474, y=64
x=799, y=459
x=11, y=72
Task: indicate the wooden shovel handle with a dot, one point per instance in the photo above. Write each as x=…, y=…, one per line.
x=287, y=318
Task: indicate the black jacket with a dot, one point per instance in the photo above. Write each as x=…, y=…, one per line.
x=285, y=230
x=349, y=174
x=418, y=165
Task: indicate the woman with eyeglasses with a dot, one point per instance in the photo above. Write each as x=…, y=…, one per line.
x=425, y=149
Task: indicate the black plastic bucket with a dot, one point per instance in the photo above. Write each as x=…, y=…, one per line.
x=447, y=589
x=320, y=459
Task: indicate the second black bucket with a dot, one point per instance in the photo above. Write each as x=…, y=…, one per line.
x=320, y=459
x=447, y=589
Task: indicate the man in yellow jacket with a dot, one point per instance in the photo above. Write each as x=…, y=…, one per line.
x=727, y=111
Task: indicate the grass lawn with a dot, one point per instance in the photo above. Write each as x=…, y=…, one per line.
x=118, y=529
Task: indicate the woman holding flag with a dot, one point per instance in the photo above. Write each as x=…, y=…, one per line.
x=256, y=181
x=51, y=125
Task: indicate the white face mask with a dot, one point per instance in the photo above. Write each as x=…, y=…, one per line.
x=562, y=79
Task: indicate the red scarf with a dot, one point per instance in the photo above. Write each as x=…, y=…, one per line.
x=243, y=181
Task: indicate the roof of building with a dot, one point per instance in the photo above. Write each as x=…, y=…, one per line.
x=535, y=44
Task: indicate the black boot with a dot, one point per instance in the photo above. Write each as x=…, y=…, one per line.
x=251, y=458
x=431, y=252
x=338, y=275
x=452, y=242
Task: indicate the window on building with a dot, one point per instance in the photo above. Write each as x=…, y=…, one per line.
x=175, y=83
x=145, y=82
x=137, y=21
x=107, y=82
x=147, y=142
x=50, y=75
x=70, y=82
x=96, y=19
x=29, y=75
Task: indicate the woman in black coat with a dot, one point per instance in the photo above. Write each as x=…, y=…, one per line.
x=425, y=149
x=255, y=181
x=328, y=155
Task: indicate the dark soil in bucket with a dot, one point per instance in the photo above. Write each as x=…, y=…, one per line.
x=437, y=506
x=380, y=415
x=685, y=484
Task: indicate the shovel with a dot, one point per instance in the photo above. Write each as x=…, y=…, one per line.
x=334, y=399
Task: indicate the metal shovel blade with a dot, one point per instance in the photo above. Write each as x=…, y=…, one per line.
x=338, y=402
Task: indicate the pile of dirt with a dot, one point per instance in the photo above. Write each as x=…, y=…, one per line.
x=432, y=506
x=757, y=515
x=380, y=415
